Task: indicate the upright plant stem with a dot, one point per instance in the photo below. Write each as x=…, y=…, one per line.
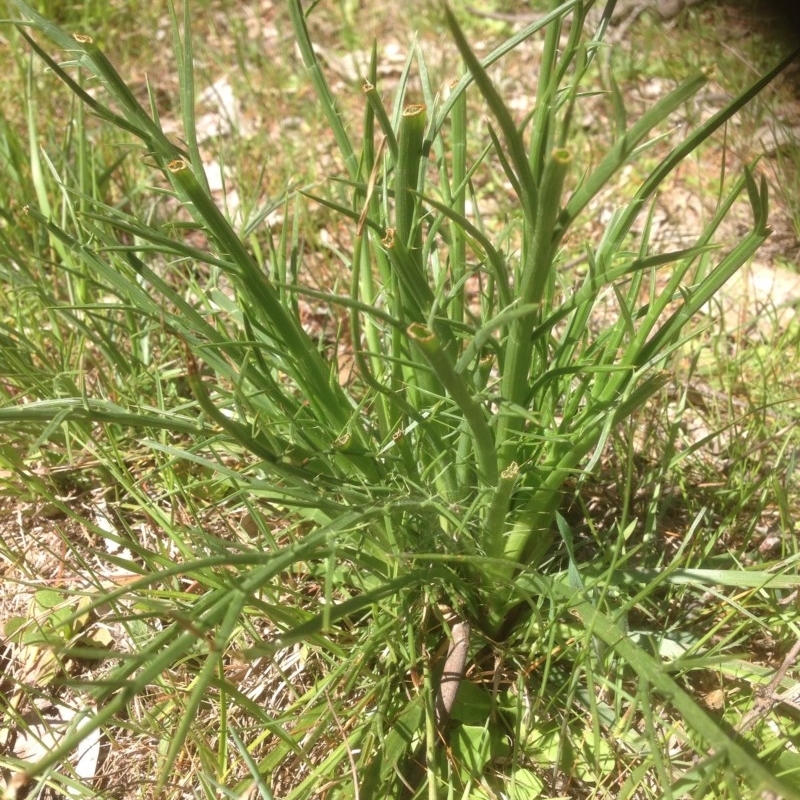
x=535, y=275
x=458, y=202
x=483, y=441
x=407, y=181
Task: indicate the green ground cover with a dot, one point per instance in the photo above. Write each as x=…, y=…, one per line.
x=380, y=421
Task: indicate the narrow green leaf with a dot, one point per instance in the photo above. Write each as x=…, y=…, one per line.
x=512, y=137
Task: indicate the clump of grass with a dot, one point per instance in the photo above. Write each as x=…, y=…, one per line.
x=421, y=498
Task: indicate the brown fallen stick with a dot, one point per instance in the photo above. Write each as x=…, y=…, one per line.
x=452, y=674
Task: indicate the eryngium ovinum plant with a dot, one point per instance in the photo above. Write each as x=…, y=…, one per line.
x=422, y=495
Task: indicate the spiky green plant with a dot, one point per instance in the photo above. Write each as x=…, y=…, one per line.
x=424, y=493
